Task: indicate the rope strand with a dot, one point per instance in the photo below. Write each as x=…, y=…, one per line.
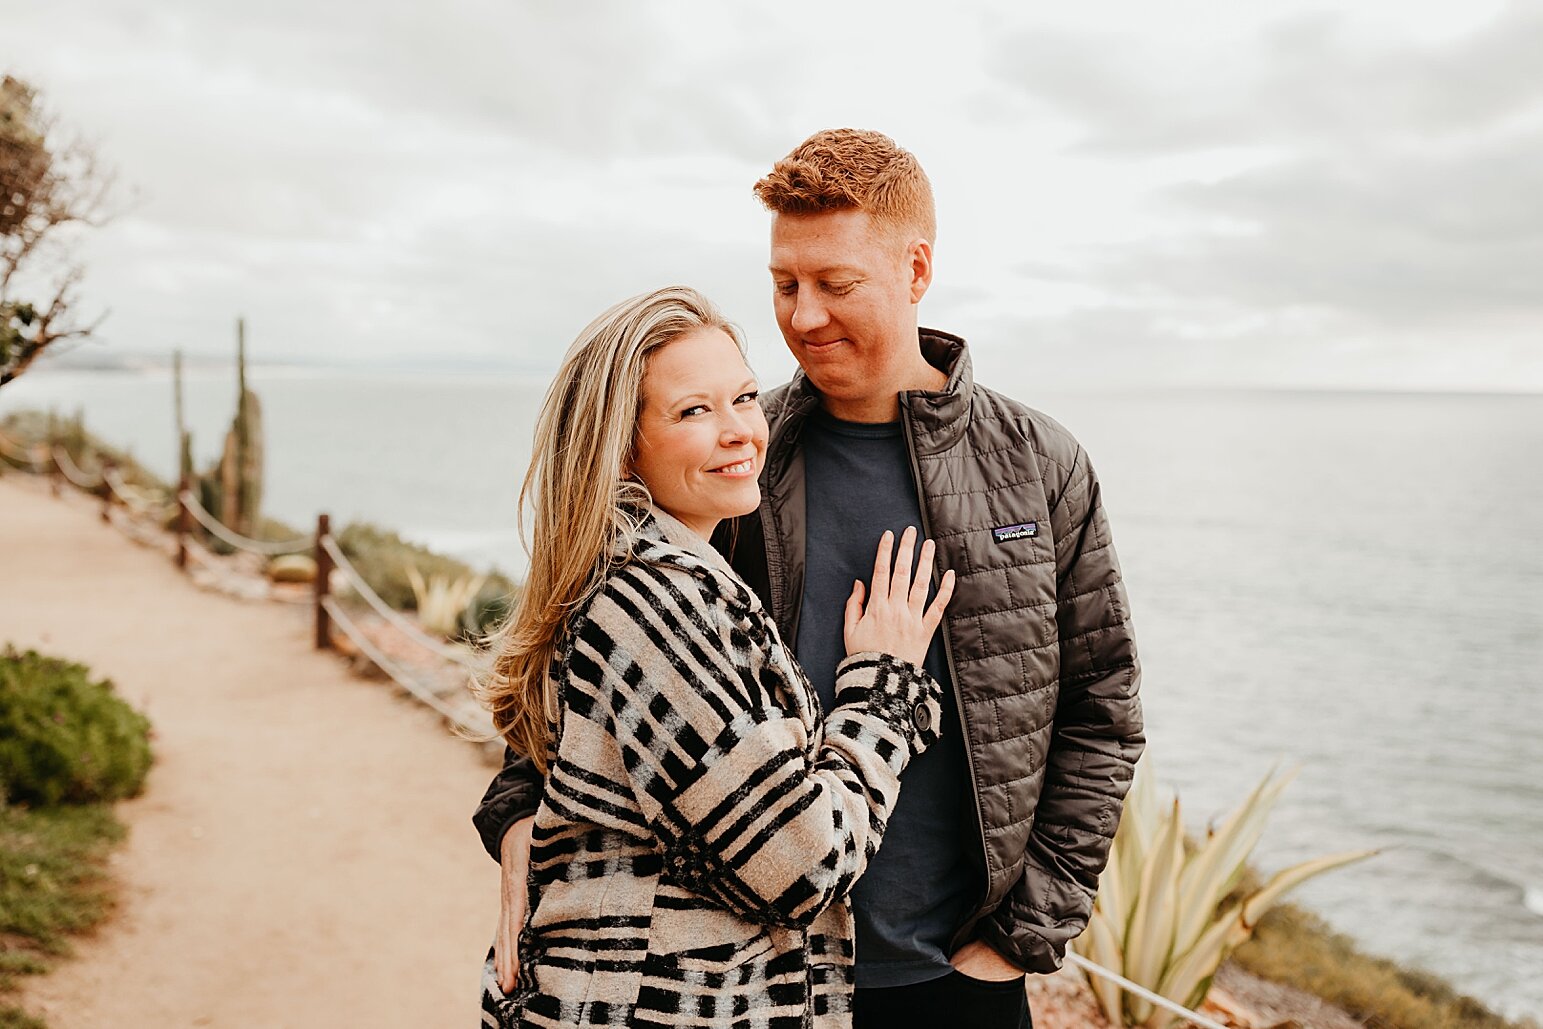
x=134, y=498
x=1142, y=992
x=391, y=668
x=72, y=471
x=330, y=545
x=268, y=547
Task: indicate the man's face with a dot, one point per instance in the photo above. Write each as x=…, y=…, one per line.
x=845, y=292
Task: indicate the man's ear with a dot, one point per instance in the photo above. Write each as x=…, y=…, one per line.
x=919, y=259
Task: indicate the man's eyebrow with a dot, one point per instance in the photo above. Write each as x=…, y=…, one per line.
x=835, y=269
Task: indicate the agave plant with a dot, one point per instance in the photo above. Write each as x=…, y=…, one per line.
x=441, y=601
x=1158, y=919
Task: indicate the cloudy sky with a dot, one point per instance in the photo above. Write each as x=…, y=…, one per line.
x=1159, y=192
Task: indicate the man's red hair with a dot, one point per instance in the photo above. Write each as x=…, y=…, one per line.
x=853, y=169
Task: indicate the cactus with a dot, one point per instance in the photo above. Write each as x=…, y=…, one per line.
x=232, y=488
x=248, y=443
x=184, y=434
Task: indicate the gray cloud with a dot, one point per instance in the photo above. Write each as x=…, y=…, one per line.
x=382, y=182
x=532, y=286
x=1299, y=81
x=609, y=80
x=1386, y=235
x=379, y=181
x=1391, y=188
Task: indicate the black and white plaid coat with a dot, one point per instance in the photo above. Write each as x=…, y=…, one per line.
x=701, y=825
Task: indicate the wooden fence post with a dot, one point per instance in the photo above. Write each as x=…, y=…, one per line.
x=184, y=523
x=323, y=578
x=107, y=489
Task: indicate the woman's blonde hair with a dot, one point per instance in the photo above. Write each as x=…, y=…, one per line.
x=581, y=497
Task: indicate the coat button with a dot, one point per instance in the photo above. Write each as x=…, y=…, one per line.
x=921, y=717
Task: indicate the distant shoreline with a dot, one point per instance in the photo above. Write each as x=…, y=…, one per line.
x=147, y=364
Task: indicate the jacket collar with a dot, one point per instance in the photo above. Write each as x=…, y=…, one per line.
x=938, y=417
x=661, y=538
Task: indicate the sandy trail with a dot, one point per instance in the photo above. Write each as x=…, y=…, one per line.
x=302, y=854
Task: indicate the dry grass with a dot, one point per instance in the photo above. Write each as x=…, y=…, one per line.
x=1296, y=947
x=52, y=885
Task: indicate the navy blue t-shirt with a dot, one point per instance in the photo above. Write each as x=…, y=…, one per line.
x=920, y=886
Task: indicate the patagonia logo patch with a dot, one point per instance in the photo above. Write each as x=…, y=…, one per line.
x=1008, y=533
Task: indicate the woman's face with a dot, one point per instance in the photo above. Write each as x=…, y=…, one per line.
x=701, y=436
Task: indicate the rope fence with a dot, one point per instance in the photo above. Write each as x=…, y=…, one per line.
x=270, y=548
x=73, y=472
x=134, y=498
x=335, y=552
x=137, y=505
x=398, y=674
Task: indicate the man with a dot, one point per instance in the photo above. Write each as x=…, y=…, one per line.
x=992, y=854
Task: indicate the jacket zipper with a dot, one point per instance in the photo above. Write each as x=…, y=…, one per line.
x=771, y=537
x=773, y=546
x=948, y=656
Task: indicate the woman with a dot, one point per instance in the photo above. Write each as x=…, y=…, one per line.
x=701, y=824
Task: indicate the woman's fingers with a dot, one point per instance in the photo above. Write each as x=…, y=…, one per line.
x=506, y=958
x=854, y=609
x=923, y=577
x=881, y=565
x=934, y=615
x=891, y=613
x=514, y=865
x=900, y=585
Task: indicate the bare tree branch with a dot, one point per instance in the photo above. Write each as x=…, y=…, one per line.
x=48, y=188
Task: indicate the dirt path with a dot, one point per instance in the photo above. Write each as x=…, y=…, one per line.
x=302, y=855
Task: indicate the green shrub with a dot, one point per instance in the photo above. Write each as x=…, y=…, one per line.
x=381, y=555
x=14, y=1018
x=63, y=738
x=490, y=606
x=273, y=529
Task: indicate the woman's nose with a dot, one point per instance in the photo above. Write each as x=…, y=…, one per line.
x=738, y=428
x=736, y=431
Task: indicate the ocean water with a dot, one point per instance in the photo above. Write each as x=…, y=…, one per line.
x=1351, y=583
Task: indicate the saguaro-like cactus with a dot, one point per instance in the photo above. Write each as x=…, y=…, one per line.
x=232, y=489
x=184, y=434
